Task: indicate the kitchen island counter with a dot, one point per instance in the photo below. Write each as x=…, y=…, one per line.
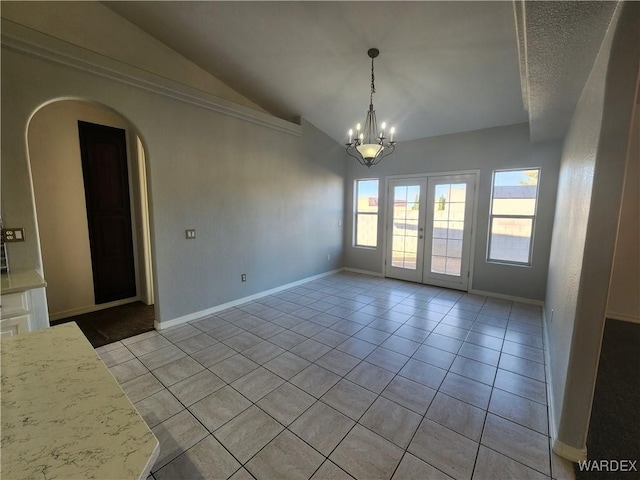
x=63, y=413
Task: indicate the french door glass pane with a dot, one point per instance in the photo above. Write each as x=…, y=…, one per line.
x=456, y=212
x=438, y=264
x=406, y=215
x=454, y=248
x=455, y=230
x=453, y=266
x=448, y=225
x=439, y=246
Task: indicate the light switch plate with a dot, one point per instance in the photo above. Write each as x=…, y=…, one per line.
x=190, y=234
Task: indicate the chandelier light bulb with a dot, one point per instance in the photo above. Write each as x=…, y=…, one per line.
x=393, y=130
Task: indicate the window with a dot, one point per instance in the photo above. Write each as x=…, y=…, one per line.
x=514, y=201
x=366, y=213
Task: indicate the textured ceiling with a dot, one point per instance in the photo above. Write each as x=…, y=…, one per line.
x=561, y=41
x=444, y=67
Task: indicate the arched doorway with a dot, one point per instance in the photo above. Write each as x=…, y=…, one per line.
x=61, y=211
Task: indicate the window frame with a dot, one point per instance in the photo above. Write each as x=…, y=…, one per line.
x=531, y=217
x=356, y=213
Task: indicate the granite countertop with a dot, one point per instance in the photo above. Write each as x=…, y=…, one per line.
x=63, y=413
x=13, y=282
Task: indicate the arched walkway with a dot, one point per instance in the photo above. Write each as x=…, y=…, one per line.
x=60, y=204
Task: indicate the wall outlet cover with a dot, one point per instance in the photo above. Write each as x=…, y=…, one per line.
x=13, y=235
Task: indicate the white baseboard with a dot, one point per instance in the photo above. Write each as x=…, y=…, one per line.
x=560, y=448
x=624, y=317
x=529, y=301
x=363, y=272
x=218, y=308
x=551, y=417
x=90, y=308
x=572, y=454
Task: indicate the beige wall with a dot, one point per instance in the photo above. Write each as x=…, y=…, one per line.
x=56, y=167
x=624, y=295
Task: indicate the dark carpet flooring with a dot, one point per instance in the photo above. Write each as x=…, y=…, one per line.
x=113, y=324
x=614, y=431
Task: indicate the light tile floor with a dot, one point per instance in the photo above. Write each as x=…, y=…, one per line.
x=347, y=376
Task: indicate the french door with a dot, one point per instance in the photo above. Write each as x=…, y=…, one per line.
x=405, y=229
x=429, y=223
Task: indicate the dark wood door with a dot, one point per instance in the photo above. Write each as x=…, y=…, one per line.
x=106, y=185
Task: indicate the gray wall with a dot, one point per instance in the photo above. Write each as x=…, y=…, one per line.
x=590, y=189
x=263, y=202
x=91, y=25
x=484, y=150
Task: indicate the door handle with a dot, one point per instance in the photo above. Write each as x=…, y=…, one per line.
x=420, y=236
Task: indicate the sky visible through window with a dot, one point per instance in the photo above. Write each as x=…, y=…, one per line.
x=368, y=188
x=514, y=177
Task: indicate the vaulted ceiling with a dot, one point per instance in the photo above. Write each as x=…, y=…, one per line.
x=444, y=67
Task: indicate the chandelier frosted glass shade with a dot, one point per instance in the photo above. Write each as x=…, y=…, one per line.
x=370, y=145
x=370, y=150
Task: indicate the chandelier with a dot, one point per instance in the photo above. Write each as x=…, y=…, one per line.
x=369, y=145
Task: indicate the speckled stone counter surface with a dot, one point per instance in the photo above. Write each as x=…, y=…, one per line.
x=63, y=413
x=20, y=281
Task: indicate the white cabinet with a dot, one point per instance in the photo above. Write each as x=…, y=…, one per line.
x=23, y=303
x=16, y=316
x=15, y=325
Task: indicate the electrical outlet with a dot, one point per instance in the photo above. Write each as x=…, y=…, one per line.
x=13, y=234
x=190, y=234
x=328, y=256
x=243, y=277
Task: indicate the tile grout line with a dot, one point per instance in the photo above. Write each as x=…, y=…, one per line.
x=352, y=336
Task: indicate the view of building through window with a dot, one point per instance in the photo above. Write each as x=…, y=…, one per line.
x=448, y=227
x=446, y=232
x=513, y=210
x=366, y=213
x=511, y=221
x=406, y=218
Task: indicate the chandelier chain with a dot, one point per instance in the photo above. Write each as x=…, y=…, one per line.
x=373, y=84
